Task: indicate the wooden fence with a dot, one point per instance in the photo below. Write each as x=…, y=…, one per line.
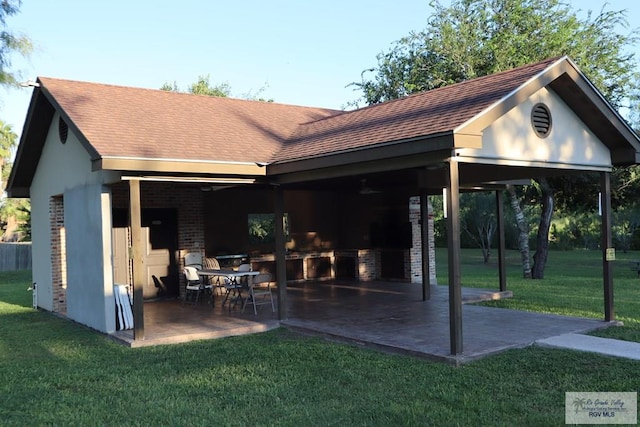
x=15, y=256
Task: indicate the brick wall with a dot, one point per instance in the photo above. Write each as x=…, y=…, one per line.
x=416, y=249
x=58, y=255
x=368, y=265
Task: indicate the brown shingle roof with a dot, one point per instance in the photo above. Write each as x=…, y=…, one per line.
x=416, y=116
x=143, y=123
x=132, y=122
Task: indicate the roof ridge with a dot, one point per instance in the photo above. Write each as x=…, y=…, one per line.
x=225, y=98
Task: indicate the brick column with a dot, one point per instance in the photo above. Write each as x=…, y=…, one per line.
x=58, y=255
x=366, y=265
x=416, y=248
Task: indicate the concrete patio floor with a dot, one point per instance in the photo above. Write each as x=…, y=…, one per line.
x=385, y=315
x=392, y=317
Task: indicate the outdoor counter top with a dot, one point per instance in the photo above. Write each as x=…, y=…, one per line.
x=309, y=254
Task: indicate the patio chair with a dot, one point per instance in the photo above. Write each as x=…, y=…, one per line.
x=234, y=288
x=259, y=293
x=193, y=259
x=195, y=286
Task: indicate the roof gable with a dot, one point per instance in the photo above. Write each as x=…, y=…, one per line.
x=564, y=78
x=461, y=112
x=567, y=143
x=420, y=115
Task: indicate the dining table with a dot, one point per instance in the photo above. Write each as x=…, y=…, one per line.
x=236, y=281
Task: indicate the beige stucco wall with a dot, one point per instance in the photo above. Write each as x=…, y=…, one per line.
x=65, y=169
x=570, y=144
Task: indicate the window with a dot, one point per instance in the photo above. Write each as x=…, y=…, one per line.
x=262, y=228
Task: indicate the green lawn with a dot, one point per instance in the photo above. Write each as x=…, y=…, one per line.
x=55, y=372
x=572, y=286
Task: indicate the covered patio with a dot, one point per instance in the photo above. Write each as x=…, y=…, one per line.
x=341, y=180
x=389, y=316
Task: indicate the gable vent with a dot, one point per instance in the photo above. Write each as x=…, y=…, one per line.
x=63, y=130
x=541, y=120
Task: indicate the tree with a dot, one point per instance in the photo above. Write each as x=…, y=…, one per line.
x=523, y=231
x=201, y=87
x=10, y=43
x=23, y=218
x=473, y=38
x=626, y=223
x=542, y=239
x=8, y=139
x=625, y=186
x=477, y=211
x=13, y=211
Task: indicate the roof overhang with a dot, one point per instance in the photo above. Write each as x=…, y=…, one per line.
x=379, y=158
x=40, y=113
x=146, y=165
x=33, y=137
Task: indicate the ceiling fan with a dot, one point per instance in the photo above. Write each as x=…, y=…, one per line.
x=365, y=189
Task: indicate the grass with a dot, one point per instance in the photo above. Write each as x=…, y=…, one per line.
x=572, y=286
x=55, y=372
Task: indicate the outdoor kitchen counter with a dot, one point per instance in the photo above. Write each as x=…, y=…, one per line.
x=323, y=265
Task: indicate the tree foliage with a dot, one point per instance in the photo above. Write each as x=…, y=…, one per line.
x=625, y=186
x=8, y=141
x=10, y=43
x=473, y=38
x=16, y=210
x=478, y=220
x=203, y=86
x=626, y=224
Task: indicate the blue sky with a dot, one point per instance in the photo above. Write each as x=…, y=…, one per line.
x=301, y=51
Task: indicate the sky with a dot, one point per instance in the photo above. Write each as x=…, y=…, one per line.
x=301, y=52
